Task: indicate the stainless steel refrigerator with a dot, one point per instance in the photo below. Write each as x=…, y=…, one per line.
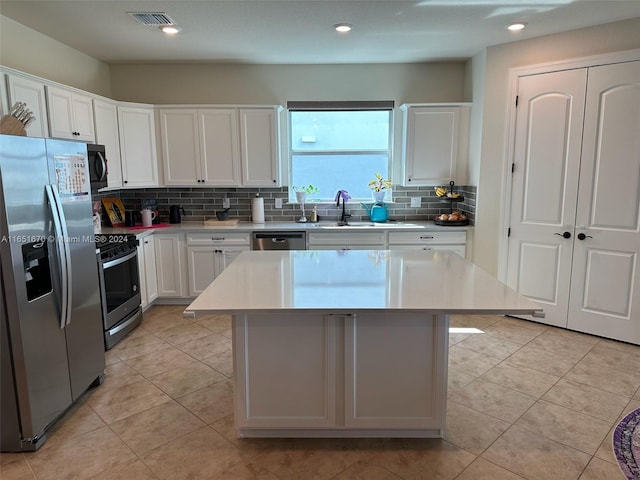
x=52, y=349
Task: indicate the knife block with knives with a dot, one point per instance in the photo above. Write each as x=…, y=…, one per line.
x=18, y=119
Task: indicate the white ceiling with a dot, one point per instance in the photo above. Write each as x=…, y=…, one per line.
x=300, y=31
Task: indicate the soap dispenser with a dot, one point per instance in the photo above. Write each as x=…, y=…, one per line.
x=314, y=214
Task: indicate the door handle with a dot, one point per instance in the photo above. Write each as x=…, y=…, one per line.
x=564, y=234
x=582, y=236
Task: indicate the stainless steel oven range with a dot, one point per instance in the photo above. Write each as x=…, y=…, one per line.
x=119, y=286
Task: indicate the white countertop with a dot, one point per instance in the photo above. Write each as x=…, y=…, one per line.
x=288, y=226
x=333, y=281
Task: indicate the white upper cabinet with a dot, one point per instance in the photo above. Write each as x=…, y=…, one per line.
x=32, y=93
x=180, y=147
x=220, y=146
x=434, y=144
x=259, y=146
x=138, y=146
x=106, y=121
x=200, y=147
x=70, y=115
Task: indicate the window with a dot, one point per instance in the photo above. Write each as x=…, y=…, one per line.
x=339, y=145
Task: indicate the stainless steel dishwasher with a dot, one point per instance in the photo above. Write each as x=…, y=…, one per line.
x=279, y=241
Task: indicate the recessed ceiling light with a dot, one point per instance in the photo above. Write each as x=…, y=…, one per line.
x=514, y=27
x=170, y=29
x=342, y=27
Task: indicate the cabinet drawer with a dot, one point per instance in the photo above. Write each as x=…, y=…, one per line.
x=219, y=238
x=459, y=249
x=417, y=238
x=340, y=239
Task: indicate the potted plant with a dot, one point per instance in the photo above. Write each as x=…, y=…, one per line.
x=301, y=197
x=378, y=186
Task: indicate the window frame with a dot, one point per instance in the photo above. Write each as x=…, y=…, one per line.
x=357, y=106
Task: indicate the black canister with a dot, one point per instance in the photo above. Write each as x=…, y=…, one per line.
x=174, y=213
x=129, y=218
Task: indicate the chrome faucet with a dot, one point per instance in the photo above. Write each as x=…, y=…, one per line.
x=345, y=198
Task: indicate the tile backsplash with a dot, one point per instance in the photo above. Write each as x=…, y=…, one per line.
x=202, y=203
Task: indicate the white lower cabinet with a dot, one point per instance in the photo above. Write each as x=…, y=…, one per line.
x=347, y=241
x=274, y=353
x=349, y=373
x=208, y=254
x=432, y=240
x=170, y=264
x=393, y=371
x=147, y=270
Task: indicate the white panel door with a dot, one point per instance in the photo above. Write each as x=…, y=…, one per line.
x=219, y=146
x=605, y=290
x=544, y=188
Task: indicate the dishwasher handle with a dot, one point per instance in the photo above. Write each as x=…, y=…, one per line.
x=278, y=236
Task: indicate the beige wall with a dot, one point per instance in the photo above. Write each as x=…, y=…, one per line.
x=31, y=52
x=276, y=84
x=500, y=59
x=484, y=79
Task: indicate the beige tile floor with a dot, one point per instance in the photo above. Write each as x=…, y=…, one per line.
x=525, y=401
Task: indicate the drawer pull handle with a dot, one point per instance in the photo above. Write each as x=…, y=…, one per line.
x=426, y=237
x=217, y=238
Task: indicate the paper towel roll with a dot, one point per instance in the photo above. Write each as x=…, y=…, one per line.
x=257, y=210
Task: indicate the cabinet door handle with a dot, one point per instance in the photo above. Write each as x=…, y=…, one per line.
x=582, y=236
x=564, y=234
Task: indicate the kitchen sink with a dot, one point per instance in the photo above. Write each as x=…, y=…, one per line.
x=352, y=225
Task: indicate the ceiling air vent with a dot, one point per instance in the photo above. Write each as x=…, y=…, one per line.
x=152, y=19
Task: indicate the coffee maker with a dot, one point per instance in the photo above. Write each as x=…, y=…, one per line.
x=174, y=213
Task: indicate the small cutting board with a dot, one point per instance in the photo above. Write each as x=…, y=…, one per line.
x=221, y=223
x=154, y=225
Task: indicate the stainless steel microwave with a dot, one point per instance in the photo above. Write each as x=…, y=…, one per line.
x=97, y=166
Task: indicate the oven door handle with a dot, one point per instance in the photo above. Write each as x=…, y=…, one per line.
x=118, y=261
x=125, y=324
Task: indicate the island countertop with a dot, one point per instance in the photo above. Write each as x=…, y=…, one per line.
x=436, y=282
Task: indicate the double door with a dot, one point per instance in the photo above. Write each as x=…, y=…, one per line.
x=575, y=215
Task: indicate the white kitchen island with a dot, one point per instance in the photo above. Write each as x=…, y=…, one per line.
x=347, y=343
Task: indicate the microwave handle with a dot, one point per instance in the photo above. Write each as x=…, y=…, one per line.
x=103, y=169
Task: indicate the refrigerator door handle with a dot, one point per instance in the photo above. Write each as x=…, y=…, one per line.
x=64, y=254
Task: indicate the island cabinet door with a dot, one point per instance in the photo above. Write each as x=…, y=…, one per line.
x=395, y=371
x=285, y=368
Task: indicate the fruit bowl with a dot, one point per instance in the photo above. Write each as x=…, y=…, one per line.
x=452, y=223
